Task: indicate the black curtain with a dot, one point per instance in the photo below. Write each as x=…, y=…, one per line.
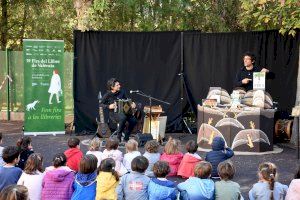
x=145, y=61
x=213, y=59
x=151, y=62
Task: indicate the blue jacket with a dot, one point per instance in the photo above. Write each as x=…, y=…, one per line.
x=197, y=189
x=218, y=154
x=84, y=186
x=133, y=186
x=161, y=190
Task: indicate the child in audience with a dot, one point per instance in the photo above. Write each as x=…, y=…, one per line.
x=32, y=176
x=267, y=188
x=190, y=160
x=131, y=153
x=14, y=192
x=58, y=182
x=151, y=153
x=1, y=150
x=112, y=151
x=218, y=154
x=9, y=174
x=160, y=187
x=25, y=148
x=134, y=185
x=293, y=192
x=107, y=180
x=227, y=189
x=172, y=155
x=95, y=150
x=73, y=154
x=85, y=180
x=200, y=186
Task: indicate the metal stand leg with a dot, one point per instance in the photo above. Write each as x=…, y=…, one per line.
x=186, y=125
x=297, y=128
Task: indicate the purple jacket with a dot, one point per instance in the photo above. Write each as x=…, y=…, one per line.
x=57, y=185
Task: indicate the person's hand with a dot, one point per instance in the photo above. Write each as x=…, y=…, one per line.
x=133, y=105
x=112, y=106
x=264, y=70
x=246, y=80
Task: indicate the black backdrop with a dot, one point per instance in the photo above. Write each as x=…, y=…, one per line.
x=214, y=59
x=151, y=62
x=145, y=61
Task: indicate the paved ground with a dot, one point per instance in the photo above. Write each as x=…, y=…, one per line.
x=246, y=166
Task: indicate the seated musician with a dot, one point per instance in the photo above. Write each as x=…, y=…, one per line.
x=244, y=77
x=114, y=93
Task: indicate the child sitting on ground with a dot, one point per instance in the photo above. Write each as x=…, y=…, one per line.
x=14, y=192
x=9, y=174
x=25, y=148
x=218, y=154
x=33, y=175
x=227, y=189
x=151, y=153
x=1, y=150
x=58, y=182
x=73, y=154
x=267, y=188
x=111, y=151
x=107, y=180
x=190, y=160
x=160, y=188
x=200, y=186
x=85, y=180
x=134, y=185
x=131, y=153
x=293, y=192
x=172, y=155
x=94, y=149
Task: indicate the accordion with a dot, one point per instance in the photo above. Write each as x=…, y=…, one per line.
x=124, y=106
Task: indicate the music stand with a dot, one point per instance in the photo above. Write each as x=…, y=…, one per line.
x=141, y=93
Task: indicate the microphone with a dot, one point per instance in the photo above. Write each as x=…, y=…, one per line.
x=134, y=91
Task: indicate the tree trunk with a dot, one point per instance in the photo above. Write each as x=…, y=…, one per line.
x=4, y=22
x=23, y=23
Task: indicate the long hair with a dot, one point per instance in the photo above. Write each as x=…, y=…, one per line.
x=34, y=163
x=14, y=192
x=268, y=172
x=108, y=165
x=172, y=146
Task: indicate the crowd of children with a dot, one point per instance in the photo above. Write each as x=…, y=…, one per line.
x=110, y=175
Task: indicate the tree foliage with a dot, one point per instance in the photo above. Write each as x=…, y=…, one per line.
x=56, y=19
x=35, y=19
x=271, y=14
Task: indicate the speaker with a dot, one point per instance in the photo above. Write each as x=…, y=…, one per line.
x=142, y=138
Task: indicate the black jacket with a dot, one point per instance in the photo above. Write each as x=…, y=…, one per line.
x=244, y=73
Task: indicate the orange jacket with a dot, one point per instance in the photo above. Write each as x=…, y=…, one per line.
x=74, y=156
x=187, y=165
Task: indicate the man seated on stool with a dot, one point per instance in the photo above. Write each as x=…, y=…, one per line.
x=114, y=93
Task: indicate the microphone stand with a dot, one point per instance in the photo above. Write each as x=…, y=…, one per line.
x=150, y=104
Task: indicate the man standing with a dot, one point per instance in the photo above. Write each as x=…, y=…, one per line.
x=244, y=77
x=108, y=101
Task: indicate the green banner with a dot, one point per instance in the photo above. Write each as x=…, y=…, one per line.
x=43, y=87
